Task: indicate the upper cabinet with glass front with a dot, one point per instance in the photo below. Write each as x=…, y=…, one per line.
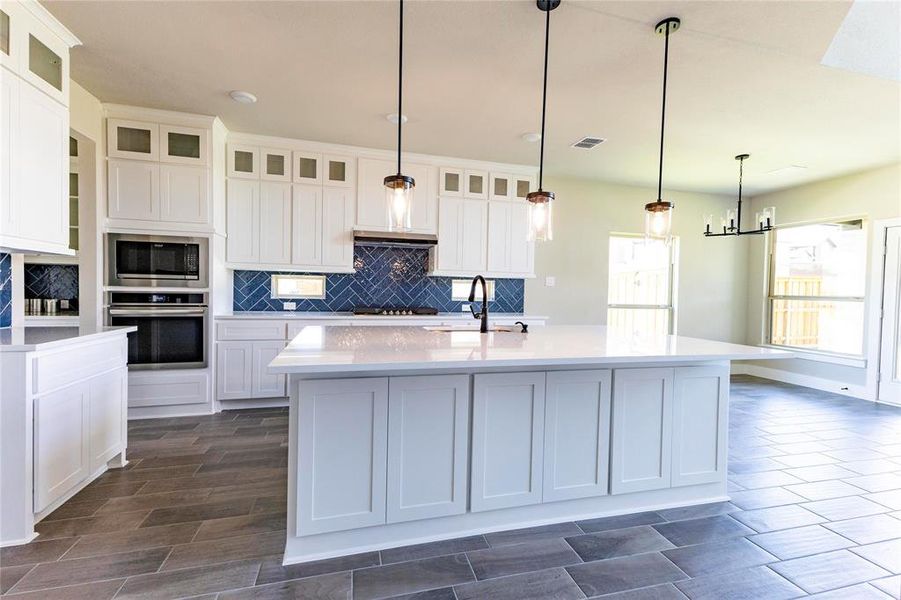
x=133, y=139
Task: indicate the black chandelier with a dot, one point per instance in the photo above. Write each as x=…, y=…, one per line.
x=731, y=222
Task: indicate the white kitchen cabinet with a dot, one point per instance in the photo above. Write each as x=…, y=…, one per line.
x=462, y=235
x=507, y=440
x=133, y=190
x=275, y=165
x=306, y=234
x=509, y=250
x=428, y=448
x=522, y=185
x=61, y=443
x=184, y=194
x=338, y=205
x=450, y=181
x=700, y=424
x=576, y=426
x=262, y=383
x=342, y=445
x=641, y=450
x=502, y=186
x=107, y=413
x=275, y=223
x=184, y=145
x=339, y=170
x=234, y=368
x=476, y=184
x=243, y=161
x=307, y=167
x=136, y=140
x=9, y=132
x=371, y=212
x=243, y=221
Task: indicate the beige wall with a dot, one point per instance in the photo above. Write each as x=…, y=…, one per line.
x=874, y=194
x=711, y=287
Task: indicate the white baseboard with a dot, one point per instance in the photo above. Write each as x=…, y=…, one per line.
x=254, y=403
x=817, y=383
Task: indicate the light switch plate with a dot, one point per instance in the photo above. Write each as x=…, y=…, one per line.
x=289, y=305
x=550, y=281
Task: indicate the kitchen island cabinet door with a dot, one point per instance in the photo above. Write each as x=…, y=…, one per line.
x=61, y=443
x=507, y=440
x=108, y=399
x=700, y=421
x=341, y=454
x=428, y=447
x=576, y=434
x=641, y=457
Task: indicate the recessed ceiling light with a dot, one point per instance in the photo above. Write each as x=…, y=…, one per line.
x=393, y=118
x=531, y=137
x=242, y=97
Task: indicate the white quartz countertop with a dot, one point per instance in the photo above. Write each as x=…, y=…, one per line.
x=27, y=339
x=323, y=349
x=327, y=316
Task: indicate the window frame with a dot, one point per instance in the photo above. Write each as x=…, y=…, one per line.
x=671, y=306
x=275, y=295
x=769, y=297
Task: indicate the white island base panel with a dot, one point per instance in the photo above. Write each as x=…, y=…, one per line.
x=399, y=459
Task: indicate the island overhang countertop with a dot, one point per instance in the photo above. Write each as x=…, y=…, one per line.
x=320, y=349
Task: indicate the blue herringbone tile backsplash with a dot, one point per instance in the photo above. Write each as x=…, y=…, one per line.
x=385, y=276
x=6, y=292
x=51, y=281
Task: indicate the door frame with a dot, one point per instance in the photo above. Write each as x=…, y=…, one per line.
x=875, y=294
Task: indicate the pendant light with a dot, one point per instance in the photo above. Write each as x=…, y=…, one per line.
x=399, y=187
x=658, y=218
x=731, y=222
x=541, y=201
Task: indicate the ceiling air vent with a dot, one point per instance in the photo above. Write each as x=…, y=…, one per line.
x=589, y=142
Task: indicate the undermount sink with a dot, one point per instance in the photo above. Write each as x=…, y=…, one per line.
x=451, y=329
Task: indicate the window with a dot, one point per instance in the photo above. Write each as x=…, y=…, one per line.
x=817, y=285
x=298, y=286
x=460, y=289
x=640, y=286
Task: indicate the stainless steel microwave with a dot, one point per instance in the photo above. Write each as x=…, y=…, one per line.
x=156, y=261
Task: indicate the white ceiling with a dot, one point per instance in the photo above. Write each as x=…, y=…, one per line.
x=744, y=77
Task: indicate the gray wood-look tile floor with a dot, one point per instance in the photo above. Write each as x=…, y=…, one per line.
x=815, y=481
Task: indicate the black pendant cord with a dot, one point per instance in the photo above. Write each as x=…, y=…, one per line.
x=547, y=38
x=741, y=171
x=663, y=113
x=400, y=84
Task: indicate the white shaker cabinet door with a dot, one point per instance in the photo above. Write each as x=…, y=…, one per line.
x=700, y=421
x=337, y=227
x=243, y=221
x=306, y=242
x=522, y=251
x=275, y=223
x=184, y=194
x=61, y=443
x=450, y=223
x=133, y=190
x=507, y=440
x=499, y=216
x=234, y=370
x=108, y=418
x=342, y=454
x=9, y=132
x=371, y=210
x=576, y=434
x=641, y=456
x=424, y=208
x=473, y=235
x=428, y=447
x=263, y=383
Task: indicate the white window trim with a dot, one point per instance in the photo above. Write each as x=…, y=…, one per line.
x=673, y=282
x=837, y=358
x=273, y=294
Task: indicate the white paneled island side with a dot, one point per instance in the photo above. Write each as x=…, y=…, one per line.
x=404, y=435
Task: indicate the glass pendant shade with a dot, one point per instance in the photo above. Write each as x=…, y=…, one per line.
x=541, y=209
x=658, y=220
x=399, y=202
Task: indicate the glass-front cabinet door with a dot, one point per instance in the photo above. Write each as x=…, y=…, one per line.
x=307, y=167
x=476, y=184
x=183, y=145
x=501, y=186
x=339, y=170
x=522, y=186
x=46, y=60
x=6, y=53
x=243, y=161
x=451, y=181
x=275, y=164
x=132, y=139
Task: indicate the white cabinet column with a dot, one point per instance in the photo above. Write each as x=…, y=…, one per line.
x=342, y=445
x=507, y=440
x=576, y=434
x=642, y=430
x=428, y=446
x=700, y=423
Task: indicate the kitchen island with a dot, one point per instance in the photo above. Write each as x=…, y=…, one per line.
x=403, y=435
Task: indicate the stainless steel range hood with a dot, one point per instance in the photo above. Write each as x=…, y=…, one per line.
x=394, y=238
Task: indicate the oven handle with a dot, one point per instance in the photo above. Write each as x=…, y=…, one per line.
x=157, y=312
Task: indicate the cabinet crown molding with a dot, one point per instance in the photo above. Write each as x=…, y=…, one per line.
x=44, y=16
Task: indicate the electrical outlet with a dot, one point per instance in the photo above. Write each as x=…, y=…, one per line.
x=289, y=305
x=550, y=281
x=464, y=308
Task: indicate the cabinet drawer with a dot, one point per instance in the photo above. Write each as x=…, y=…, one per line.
x=70, y=364
x=252, y=329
